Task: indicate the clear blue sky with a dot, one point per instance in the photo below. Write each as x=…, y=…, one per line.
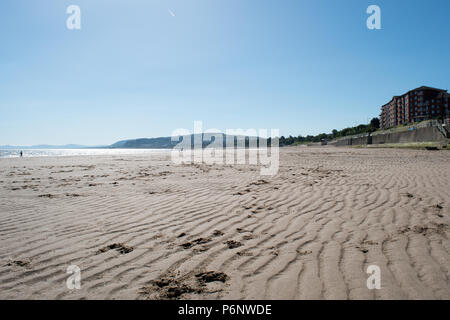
x=135, y=70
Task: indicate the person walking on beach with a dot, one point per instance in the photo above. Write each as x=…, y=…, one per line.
x=21, y=153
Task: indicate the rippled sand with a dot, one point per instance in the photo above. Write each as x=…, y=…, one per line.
x=142, y=228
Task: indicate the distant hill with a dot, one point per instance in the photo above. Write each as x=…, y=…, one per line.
x=145, y=143
x=166, y=142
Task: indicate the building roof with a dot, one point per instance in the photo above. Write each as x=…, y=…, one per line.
x=442, y=91
x=428, y=88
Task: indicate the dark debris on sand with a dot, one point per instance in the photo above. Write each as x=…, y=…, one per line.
x=171, y=287
x=47, y=195
x=232, y=244
x=195, y=242
x=19, y=263
x=120, y=247
x=217, y=233
x=211, y=276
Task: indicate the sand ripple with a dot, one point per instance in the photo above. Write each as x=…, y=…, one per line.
x=142, y=228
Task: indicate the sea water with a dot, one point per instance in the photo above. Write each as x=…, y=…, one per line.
x=12, y=153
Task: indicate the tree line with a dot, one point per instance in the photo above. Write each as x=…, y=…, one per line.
x=362, y=128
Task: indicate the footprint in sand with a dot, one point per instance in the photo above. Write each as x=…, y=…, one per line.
x=48, y=195
x=198, y=241
x=217, y=233
x=19, y=263
x=171, y=287
x=211, y=276
x=116, y=246
x=232, y=244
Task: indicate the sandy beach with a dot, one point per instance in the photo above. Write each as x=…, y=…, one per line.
x=141, y=227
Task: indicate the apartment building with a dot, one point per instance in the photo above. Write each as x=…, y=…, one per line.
x=419, y=104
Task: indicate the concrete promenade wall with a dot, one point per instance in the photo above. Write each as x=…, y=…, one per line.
x=426, y=134
x=417, y=135
x=351, y=141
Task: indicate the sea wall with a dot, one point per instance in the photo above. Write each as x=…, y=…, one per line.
x=415, y=135
x=353, y=140
x=425, y=134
